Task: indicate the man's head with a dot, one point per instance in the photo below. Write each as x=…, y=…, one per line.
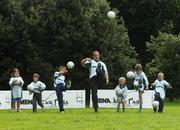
x=96, y=55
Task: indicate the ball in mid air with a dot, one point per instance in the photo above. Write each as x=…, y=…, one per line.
x=130, y=75
x=70, y=65
x=111, y=14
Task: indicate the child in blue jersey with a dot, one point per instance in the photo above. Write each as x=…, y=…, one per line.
x=140, y=83
x=16, y=83
x=160, y=86
x=60, y=86
x=37, y=92
x=121, y=92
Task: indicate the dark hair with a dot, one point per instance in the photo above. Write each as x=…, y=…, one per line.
x=14, y=71
x=138, y=67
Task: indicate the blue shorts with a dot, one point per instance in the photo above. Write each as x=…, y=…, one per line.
x=15, y=99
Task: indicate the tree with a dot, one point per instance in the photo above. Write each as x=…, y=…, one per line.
x=144, y=18
x=48, y=33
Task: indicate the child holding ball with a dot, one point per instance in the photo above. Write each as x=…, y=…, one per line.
x=16, y=83
x=38, y=87
x=121, y=92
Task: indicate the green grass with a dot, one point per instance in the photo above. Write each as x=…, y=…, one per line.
x=86, y=119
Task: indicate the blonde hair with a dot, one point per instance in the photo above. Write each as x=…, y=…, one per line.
x=122, y=78
x=62, y=67
x=160, y=74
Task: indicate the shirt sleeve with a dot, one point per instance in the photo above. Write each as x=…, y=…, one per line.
x=43, y=86
x=105, y=68
x=11, y=81
x=145, y=78
x=166, y=83
x=22, y=82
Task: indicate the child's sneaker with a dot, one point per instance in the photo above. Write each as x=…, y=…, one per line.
x=42, y=109
x=155, y=109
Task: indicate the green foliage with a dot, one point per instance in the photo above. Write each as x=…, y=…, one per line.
x=165, y=50
x=38, y=36
x=144, y=18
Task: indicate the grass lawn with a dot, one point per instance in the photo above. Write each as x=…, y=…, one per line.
x=86, y=119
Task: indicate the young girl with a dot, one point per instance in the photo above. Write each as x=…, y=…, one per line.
x=121, y=92
x=16, y=83
x=60, y=86
x=140, y=82
x=160, y=86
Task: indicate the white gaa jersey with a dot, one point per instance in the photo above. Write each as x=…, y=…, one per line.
x=160, y=87
x=93, y=67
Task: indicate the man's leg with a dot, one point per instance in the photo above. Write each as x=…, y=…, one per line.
x=95, y=99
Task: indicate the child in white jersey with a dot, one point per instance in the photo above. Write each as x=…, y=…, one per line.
x=121, y=92
x=160, y=86
x=140, y=83
x=60, y=86
x=37, y=92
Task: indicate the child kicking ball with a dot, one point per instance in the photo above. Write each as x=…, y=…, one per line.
x=160, y=86
x=121, y=92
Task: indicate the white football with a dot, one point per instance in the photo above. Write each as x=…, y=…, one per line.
x=17, y=81
x=111, y=14
x=155, y=104
x=130, y=75
x=30, y=87
x=136, y=83
x=70, y=65
x=119, y=92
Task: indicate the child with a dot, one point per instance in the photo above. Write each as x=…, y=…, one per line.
x=16, y=83
x=37, y=92
x=140, y=82
x=160, y=86
x=60, y=86
x=121, y=92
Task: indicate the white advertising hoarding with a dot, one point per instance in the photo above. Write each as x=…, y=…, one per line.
x=108, y=99
x=72, y=99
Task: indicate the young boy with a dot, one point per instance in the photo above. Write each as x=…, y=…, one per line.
x=140, y=82
x=60, y=86
x=121, y=92
x=37, y=92
x=160, y=86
